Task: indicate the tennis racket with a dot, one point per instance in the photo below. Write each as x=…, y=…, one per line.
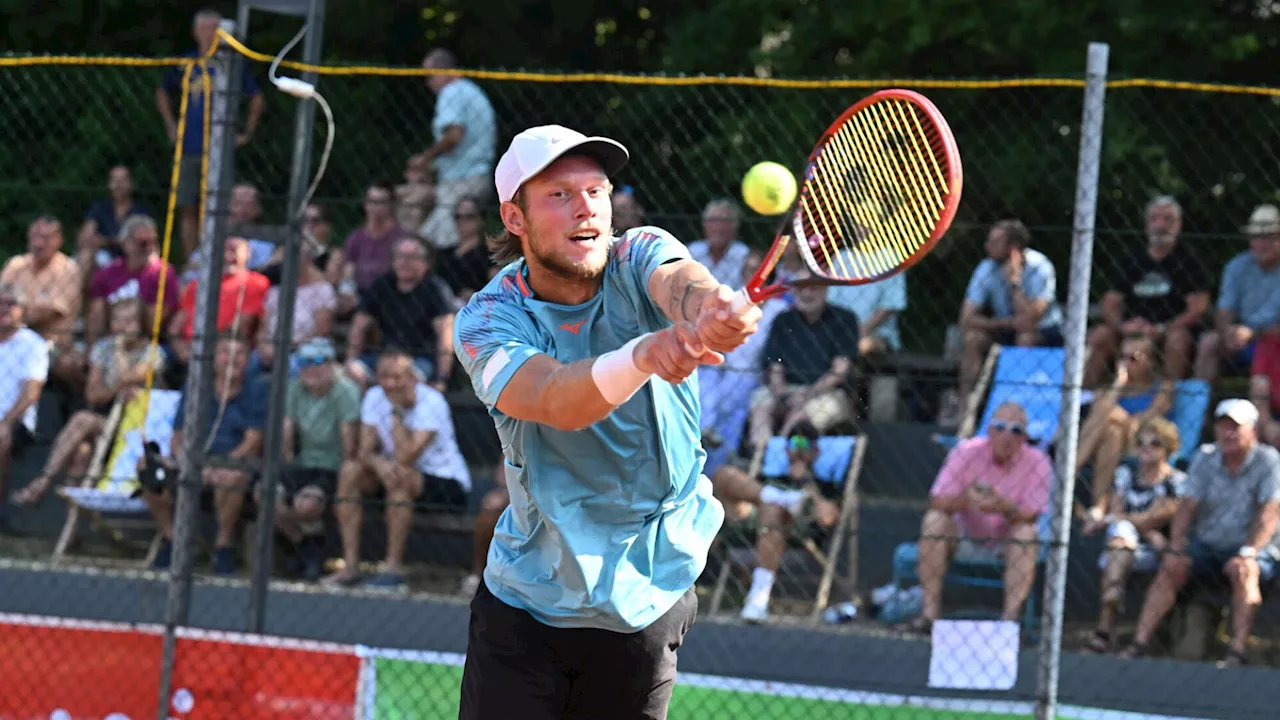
x=880, y=189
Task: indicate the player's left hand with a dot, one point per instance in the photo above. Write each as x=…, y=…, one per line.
x=719, y=327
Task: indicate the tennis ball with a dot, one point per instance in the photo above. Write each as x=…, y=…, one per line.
x=768, y=188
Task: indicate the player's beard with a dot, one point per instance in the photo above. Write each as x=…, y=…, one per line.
x=590, y=268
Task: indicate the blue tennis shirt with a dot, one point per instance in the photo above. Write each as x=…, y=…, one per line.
x=610, y=525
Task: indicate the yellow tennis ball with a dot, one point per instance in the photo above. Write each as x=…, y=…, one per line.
x=768, y=188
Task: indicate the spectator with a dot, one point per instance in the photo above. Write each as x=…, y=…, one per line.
x=1011, y=300
x=313, y=309
x=26, y=357
x=1224, y=532
x=627, y=211
x=721, y=388
x=465, y=131
x=808, y=367
x=1248, y=300
x=366, y=255
x=98, y=242
x=492, y=506
x=1146, y=498
x=133, y=276
x=416, y=195
x=316, y=235
x=321, y=431
x=49, y=282
x=204, y=30
x=465, y=267
x=243, y=212
x=407, y=448
x=986, y=502
x=1139, y=393
x=776, y=503
x=877, y=306
x=1160, y=291
x=719, y=250
x=242, y=295
x=237, y=413
x=413, y=310
x=118, y=366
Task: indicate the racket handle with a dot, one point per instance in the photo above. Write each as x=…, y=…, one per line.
x=741, y=300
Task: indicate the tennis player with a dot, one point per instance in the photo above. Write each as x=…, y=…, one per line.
x=584, y=349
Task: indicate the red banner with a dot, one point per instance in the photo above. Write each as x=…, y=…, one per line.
x=70, y=670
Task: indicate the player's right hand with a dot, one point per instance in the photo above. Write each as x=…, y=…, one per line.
x=674, y=354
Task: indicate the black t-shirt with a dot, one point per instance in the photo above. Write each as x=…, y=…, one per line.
x=807, y=351
x=1157, y=290
x=405, y=318
x=468, y=271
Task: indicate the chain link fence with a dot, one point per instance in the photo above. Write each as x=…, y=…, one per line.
x=892, y=504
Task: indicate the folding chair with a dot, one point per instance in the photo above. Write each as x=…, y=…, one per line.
x=839, y=463
x=106, y=496
x=1190, y=405
x=1029, y=376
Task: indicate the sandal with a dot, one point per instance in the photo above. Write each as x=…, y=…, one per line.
x=1233, y=658
x=1136, y=650
x=32, y=492
x=1099, y=643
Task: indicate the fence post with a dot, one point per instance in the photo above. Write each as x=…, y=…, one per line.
x=199, y=386
x=1086, y=206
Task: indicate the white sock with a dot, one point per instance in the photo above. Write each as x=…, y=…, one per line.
x=761, y=585
x=789, y=500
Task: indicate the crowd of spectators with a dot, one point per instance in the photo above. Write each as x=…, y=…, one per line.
x=371, y=361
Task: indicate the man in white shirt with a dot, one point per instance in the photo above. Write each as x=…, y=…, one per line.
x=720, y=251
x=26, y=366
x=407, y=449
x=465, y=135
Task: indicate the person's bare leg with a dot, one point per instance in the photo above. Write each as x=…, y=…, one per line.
x=1102, y=345
x=1209, y=357
x=160, y=505
x=1110, y=451
x=761, y=420
x=1091, y=433
x=83, y=427
x=1163, y=593
x=1120, y=557
x=403, y=486
x=771, y=543
x=1178, y=349
x=492, y=505
x=228, y=499
x=731, y=485
x=354, y=482
x=976, y=345
x=1246, y=596
x=1019, y=569
x=938, y=537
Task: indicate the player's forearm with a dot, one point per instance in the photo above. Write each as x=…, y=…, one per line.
x=566, y=398
x=680, y=288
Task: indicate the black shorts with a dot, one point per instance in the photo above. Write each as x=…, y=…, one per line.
x=293, y=479
x=1048, y=337
x=439, y=494
x=517, y=667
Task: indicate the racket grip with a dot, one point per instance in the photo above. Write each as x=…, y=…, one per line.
x=740, y=301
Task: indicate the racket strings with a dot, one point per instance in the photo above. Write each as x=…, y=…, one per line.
x=876, y=191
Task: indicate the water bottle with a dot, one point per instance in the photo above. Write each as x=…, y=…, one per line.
x=842, y=613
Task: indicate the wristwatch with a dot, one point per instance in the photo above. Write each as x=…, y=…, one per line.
x=1248, y=551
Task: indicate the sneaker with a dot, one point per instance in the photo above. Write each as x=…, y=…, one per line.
x=224, y=561
x=756, y=611
x=164, y=556
x=388, y=580
x=469, y=585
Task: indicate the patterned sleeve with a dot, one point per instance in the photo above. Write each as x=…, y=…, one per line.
x=493, y=338
x=642, y=250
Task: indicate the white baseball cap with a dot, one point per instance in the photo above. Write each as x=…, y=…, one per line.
x=1265, y=220
x=534, y=149
x=1239, y=410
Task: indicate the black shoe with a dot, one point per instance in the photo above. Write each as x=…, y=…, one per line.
x=311, y=550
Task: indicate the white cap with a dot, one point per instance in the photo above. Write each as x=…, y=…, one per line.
x=1265, y=220
x=534, y=149
x=1239, y=410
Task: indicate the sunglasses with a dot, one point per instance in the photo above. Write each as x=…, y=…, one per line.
x=1150, y=442
x=311, y=361
x=1012, y=428
x=799, y=443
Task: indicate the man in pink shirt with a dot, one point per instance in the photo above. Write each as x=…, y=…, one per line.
x=987, y=501
x=134, y=275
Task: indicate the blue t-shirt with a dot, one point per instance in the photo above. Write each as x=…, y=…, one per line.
x=1250, y=293
x=610, y=525
x=193, y=138
x=988, y=288
x=246, y=411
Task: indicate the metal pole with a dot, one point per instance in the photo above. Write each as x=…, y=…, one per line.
x=273, y=441
x=1077, y=318
x=222, y=114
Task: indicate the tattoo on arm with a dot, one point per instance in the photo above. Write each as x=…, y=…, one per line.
x=683, y=291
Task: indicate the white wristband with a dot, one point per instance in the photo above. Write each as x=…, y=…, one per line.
x=616, y=375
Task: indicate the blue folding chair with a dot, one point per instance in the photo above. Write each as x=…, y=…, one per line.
x=1190, y=405
x=839, y=462
x=1029, y=376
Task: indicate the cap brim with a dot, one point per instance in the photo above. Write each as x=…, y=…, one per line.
x=611, y=155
